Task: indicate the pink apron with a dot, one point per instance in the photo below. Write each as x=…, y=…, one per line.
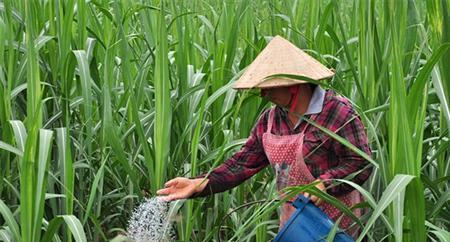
x=286, y=157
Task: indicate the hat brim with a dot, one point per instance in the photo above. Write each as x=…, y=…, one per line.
x=281, y=57
x=276, y=82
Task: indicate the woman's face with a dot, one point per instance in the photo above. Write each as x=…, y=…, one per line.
x=278, y=95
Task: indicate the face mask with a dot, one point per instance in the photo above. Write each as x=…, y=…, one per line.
x=295, y=92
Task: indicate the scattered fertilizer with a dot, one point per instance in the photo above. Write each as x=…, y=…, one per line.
x=150, y=221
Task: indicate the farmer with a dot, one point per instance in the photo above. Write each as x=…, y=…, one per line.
x=299, y=152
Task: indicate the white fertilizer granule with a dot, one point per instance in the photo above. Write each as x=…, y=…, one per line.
x=150, y=222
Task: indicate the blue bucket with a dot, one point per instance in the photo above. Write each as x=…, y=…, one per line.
x=309, y=223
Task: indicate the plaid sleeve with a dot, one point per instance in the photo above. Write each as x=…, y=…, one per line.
x=349, y=165
x=242, y=165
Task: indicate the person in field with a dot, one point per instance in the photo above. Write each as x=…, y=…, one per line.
x=299, y=152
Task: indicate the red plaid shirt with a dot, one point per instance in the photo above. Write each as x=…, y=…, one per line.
x=325, y=157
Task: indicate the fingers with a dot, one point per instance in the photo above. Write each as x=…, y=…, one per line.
x=175, y=196
x=164, y=191
x=177, y=188
x=172, y=182
x=167, y=198
x=316, y=200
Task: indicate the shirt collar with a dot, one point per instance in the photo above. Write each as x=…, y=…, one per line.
x=315, y=105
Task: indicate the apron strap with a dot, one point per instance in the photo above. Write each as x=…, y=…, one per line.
x=313, y=116
x=271, y=120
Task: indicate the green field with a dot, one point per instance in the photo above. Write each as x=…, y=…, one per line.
x=102, y=101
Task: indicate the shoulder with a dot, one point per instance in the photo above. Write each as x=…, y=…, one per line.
x=336, y=101
x=337, y=109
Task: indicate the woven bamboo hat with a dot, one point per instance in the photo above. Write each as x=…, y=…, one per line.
x=281, y=57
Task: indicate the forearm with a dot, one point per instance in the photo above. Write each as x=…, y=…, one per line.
x=229, y=175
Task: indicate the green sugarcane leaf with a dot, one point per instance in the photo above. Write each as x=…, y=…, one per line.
x=10, y=148
x=442, y=234
x=393, y=190
x=51, y=230
x=20, y=133
x=72, y=223
x=422, y=78
x=10, y=221
x=370, y=199
x=75, y=227
x=45, y=145
x=5, y=236
x=163, y=113
x=99, y=175
x=85, y=77
x=66, y=162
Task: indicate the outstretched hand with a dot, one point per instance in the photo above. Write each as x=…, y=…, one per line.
x=181, y=188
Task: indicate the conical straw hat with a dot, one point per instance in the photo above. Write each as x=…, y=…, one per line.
x=281, y=57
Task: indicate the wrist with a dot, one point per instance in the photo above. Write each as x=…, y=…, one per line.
x=201, y=184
